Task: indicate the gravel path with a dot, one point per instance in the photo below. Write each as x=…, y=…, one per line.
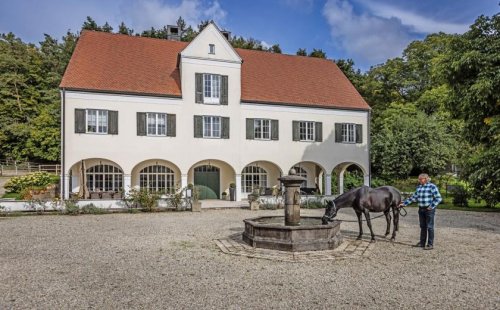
x=170, y=261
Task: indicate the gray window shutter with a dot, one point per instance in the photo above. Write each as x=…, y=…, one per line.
x=338, y=132
x=225, y=127
x=141, y=124
x=112, y=122
x=319, y=131
x=224, y=90
x=171, y=125
x=198, y=126
x=199, y=88
x=359, y=133
x=80, y=121
x=250, y=129
x=275, y=129
x=296, y=133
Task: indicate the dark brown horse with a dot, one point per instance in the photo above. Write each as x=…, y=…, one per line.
x=365, y=200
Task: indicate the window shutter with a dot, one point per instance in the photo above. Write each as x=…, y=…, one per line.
x=225, y=127
x=80, y=121
x=250, y=129
x=295, y=128
x=338, y=132
x=112, y=122
x=141, y=124
x=224, y=90
x=275, y=129
x=199, y=88
x=198, y=126
x=319, y=131
x=359, y=133
x=171, y=125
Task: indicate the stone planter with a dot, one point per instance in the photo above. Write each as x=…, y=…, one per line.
x=196, y=207
x=254, y=205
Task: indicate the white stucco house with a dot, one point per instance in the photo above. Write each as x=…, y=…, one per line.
x=160, y=114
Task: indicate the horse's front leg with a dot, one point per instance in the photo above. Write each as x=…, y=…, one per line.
x=359, y=214
x=369, y=222
x=388, y=219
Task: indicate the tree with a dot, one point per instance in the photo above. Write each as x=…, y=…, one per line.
x=90, y=24
x=123, y=29
x=472, y=69
x=301, y=52
x=317, y=53
x=407, y=141
x=275, y=49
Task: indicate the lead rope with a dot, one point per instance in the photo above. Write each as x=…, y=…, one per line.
x=372, y=218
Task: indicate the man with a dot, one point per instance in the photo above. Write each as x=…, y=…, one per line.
x=428, y=197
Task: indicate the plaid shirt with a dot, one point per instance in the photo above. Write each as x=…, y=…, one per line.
x=426, y=195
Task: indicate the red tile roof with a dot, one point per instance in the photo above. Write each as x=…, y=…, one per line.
x=119, y=63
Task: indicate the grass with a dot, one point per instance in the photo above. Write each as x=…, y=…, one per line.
x=473, y=206
x=16, y=196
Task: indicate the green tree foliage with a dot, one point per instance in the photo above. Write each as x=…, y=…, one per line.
x=472, y=69
x=317, y=53
x=301, y=52
x=275, y=49
x=123, y=29
x=406, y=140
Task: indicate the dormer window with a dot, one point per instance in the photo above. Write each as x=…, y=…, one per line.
x=211, y=48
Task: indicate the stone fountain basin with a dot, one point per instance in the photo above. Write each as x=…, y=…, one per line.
x=270, y=232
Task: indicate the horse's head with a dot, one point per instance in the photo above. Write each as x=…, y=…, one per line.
x=330, y=212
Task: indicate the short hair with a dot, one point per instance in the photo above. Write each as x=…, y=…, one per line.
x=424, y=176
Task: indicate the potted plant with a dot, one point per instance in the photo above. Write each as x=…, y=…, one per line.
x=232, y=192
x=196, y=204
x=224, y=196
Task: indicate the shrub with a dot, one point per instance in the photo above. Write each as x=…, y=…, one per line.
x=92, y=209
x=316, y=203
x=147, y=200
x=33, y=180
x=71, y=207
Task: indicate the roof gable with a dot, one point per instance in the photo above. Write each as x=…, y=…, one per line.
x=199, y=47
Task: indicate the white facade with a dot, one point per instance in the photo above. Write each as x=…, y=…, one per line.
x=183, y=152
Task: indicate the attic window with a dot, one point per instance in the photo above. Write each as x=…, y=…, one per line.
x=211, y=48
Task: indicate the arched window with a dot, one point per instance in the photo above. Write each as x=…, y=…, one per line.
x=301, y=172
x=105, y=178
x=252, y=177
x=157, y=178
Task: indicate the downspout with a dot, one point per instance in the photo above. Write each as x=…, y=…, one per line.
x=63, y=168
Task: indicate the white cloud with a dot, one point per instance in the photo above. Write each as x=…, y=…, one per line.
x=155, y=13
x=418, y=23
x=366, y=38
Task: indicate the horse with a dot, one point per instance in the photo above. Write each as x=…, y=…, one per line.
x=365, y=200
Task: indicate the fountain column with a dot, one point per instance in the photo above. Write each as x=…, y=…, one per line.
x=292, y=184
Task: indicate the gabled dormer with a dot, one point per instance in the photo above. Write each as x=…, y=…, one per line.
x=211, y=44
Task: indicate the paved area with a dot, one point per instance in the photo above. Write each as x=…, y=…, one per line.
x=171, y=260
x=349, y=249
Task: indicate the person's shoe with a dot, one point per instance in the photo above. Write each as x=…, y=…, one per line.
x=418, y=245
x=429, y=247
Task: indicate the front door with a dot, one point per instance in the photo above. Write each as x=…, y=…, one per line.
x=207, y=180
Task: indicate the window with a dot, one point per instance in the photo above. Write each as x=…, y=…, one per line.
x=262, y=129
x=211, y=90
x=157, y=178
x=211, y=127
x=157, y=124
x=306, y=131
x=211, y=48
x=97, y=121
x=349, y=133
x=253, y=177
x=104, y=178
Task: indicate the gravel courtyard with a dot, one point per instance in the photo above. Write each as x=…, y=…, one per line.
x=170, y=261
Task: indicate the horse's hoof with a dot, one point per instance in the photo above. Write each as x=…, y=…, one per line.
x=393, y=239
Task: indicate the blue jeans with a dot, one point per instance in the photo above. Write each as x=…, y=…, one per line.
x=426, y=218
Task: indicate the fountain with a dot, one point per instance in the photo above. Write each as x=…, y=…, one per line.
x=292, y=232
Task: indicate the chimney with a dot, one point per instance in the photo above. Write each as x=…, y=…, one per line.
x=173, y=33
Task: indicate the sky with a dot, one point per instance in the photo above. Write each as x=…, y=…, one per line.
x=367, y=31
